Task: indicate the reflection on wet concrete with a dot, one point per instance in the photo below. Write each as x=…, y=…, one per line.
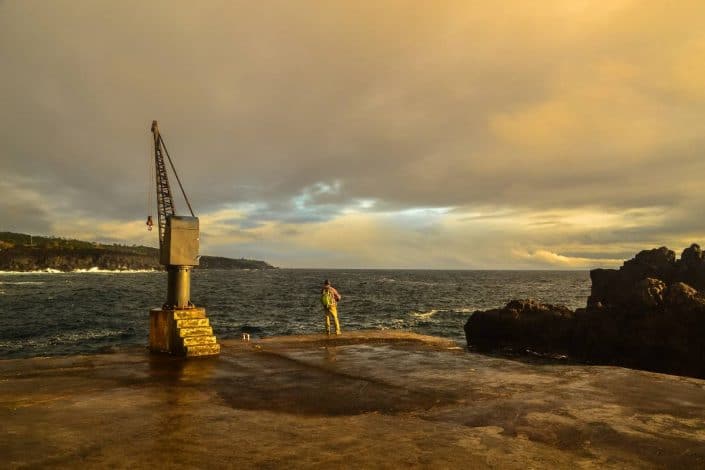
x=331, y=353
x=172, y=369
x=282, y=382
x=367, y=399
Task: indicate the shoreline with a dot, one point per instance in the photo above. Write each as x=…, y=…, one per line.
x=83, y=271
x=348, y=337
x=97, y=270
x=306, y=401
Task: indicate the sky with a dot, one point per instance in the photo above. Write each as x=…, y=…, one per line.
x=362, y=134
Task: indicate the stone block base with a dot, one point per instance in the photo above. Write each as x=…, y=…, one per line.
x=182, y=332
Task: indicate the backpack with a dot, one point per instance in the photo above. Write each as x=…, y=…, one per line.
x=327, y=298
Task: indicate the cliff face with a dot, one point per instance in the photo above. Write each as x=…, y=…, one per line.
x=37, y=258
x=650, y=314
x=16, y=254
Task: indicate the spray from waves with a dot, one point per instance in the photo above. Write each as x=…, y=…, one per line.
x=29, y=273
x=114, y=271
x=433, y=312
x=22, y=283
x=428, y=314
x=94, y=269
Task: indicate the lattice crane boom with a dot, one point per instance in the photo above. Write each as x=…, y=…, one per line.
x=165, y=202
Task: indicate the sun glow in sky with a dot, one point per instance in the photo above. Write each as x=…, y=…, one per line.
x=363, y=134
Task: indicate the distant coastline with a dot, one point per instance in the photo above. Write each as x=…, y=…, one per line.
x=21, y=252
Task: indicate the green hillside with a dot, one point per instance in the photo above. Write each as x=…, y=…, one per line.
x=22, y=252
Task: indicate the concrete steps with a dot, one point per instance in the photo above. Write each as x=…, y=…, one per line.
x=184, y=332
x=196, y=335
x=189, y=313
x=190, y=323
x=203, y=350
x=195, y=331
x=198, y=340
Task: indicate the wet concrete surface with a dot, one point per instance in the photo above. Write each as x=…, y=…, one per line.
x=366, y=399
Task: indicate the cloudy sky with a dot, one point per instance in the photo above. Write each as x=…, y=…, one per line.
x=385, y=133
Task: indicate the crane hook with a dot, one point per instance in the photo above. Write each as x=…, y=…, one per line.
x=149, y=223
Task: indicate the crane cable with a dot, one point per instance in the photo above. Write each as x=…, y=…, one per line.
x=178, y=180
x=151, y=171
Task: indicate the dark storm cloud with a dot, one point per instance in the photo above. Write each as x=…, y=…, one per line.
x=30, y=217
x=406, y=103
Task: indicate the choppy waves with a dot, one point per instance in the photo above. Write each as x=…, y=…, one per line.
x=66, y=342
x=81, y=312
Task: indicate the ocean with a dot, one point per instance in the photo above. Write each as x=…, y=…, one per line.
x=49, y=314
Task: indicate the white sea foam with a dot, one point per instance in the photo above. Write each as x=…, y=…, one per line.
x=27, y=273
x=431, y=313
x=94, y=269
x=21, y=283
x=113, y=271
x=428, y=314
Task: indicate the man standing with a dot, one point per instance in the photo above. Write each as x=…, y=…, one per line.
x=329, y=299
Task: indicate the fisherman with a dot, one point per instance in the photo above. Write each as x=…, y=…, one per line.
x=330, y=298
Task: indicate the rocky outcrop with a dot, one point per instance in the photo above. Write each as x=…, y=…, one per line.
x=650, y=314
x=522, y=324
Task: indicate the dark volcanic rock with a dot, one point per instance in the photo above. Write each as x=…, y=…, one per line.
x=649, y=313
x=521, y=323
x=691, y=267
x=659, y=262
x=622, y=287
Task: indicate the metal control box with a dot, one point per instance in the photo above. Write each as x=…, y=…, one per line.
x=180, y=241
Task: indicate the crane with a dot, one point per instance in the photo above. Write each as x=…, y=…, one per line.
x=178, y=235
x=179, y=327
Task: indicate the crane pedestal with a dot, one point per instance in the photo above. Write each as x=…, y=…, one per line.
x=181, y=332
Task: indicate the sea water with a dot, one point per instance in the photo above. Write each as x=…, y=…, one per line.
x=47, y=314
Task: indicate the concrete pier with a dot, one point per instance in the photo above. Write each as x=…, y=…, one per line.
x=362, y=400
